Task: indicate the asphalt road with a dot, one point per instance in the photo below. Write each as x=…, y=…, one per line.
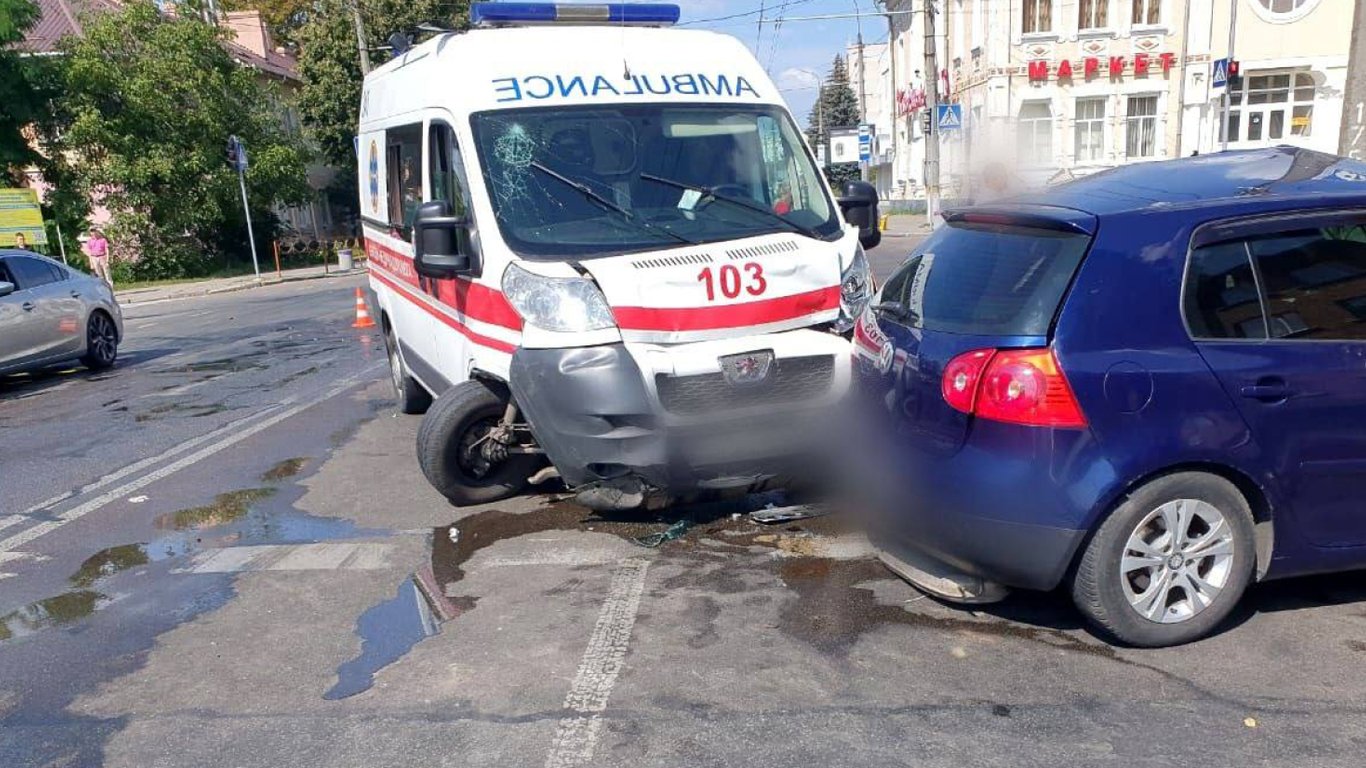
x=238, y=590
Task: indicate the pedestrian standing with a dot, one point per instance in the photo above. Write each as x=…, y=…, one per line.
x=96, y=249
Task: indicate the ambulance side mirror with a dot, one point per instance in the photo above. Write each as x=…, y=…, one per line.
x=440, y=241
x=859, y=206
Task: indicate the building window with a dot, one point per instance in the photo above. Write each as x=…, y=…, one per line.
x=1093, y=14
x=1090, y=130
x=1141, y=127
x=1272, y=106
x=1147, y=12
x=1038, y=16
x=1036, y=133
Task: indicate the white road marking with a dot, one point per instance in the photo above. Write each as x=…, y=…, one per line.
x=136, y=466
x=326, y=556
x=577, y=735
x=229, y=440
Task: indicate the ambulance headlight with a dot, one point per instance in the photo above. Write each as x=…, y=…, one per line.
x=856, y=288
x=566, y=305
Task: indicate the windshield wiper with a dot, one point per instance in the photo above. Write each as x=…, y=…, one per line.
x=588, y=192
x=710, y=193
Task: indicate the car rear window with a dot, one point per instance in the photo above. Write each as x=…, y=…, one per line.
x=989, y=279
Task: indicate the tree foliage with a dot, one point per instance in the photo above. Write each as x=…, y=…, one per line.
x=151, y=101
x=23, y=90
x=330, y=65
x=836, y=106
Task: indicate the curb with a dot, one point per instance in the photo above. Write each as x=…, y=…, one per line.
x=134, y=300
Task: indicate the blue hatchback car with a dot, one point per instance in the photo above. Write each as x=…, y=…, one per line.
x=1147, y=386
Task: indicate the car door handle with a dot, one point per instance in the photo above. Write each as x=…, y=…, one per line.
x=75, y=294
x=1266, y=391
x=28, y=306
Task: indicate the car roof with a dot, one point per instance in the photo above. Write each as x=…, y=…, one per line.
x=1245, y=177
x=31, y=254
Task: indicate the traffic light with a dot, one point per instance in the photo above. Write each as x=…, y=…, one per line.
x=1235, y=77
x=925, y=122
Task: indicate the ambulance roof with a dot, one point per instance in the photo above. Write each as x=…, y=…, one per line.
x=515, y=67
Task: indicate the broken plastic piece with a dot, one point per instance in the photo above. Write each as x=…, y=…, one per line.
x=770, y=515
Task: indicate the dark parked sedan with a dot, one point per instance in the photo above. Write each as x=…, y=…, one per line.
x=1147, y=386
x=51, y=314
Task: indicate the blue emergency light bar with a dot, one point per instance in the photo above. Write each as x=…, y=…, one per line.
x=525, y=14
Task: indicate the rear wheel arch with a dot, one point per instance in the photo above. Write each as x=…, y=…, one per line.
x=1258, y=500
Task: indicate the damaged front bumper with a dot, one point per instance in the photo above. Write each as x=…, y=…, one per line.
x=620, y=421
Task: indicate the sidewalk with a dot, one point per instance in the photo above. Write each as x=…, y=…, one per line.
x=225, y=285
x=907, y=225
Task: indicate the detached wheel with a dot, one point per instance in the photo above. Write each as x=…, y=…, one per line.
x=1170, y=563
x=101, y=342
x=459, y=450
x=412, y=397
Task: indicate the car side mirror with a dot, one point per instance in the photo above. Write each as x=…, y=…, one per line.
x=859, y=206
x=441, y=241
x=6, y=288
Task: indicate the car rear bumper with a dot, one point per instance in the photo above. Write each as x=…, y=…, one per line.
x=597, y=413
x=996, y=552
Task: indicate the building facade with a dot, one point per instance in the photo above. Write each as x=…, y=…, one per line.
x=1054, y=89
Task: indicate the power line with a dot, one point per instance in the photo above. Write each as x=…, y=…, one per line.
x=743, y=15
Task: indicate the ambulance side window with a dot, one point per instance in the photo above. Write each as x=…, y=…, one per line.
x=403, y=162
x=447, y=170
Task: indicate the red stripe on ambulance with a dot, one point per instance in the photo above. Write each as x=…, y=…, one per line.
x=475, y=301
x=477, y=338
x=729, y=315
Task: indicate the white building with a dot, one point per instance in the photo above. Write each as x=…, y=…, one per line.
x=1053, y=89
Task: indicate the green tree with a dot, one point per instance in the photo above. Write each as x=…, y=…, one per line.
x=21, y=90
x=836, y=107
x=151, y=101
x=330, y=65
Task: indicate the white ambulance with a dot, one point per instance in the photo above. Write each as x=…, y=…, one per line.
x=604, y=249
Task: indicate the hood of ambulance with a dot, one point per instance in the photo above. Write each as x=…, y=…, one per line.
x=729, y=289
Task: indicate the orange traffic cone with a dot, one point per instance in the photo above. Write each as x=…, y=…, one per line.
x=363, y=319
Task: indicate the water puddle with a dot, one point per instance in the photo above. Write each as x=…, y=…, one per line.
x=284, y=470
x=50, y=612
x=387, y=631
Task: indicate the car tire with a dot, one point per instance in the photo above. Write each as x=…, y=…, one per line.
x=1142, y=587
x=412, y=397
x=101, y=342
x=448, y=458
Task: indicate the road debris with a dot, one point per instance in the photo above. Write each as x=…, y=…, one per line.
x=674, y=531
x=771, y=515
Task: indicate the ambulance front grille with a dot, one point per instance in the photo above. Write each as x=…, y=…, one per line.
x=791, y=380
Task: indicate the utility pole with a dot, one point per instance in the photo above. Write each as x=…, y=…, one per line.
x=896, y=106
x=1228, y=86
x=932, y=104
x=360, y=38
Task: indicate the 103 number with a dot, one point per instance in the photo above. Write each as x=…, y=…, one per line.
x=731, y=282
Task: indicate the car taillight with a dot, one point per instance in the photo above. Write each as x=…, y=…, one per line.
x=963, y=376
x=1019, y=386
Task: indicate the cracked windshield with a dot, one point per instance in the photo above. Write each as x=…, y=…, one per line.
x=587, y=181
x=834, y=383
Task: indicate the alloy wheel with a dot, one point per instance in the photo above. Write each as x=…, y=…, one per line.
x=103, y=339
x=1177, y=560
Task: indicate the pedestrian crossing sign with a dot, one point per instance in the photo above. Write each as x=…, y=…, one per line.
x=1220, y=73
x=950, y=117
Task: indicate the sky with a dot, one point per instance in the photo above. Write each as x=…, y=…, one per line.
x=795, y=52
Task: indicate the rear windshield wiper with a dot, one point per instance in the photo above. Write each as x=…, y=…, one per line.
x=710, y=193
x=590, y=194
